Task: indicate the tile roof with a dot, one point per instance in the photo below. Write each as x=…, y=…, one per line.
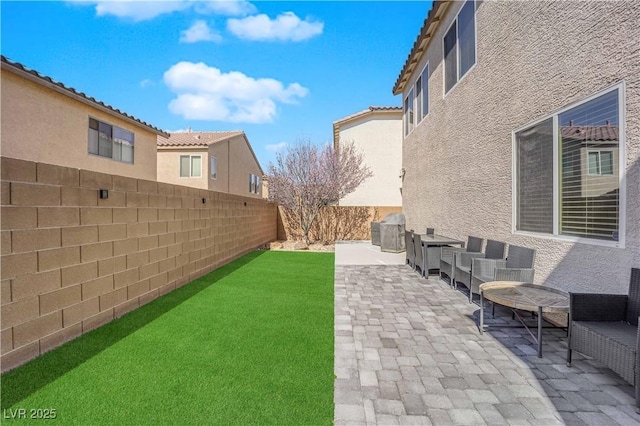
x=369, y=110
x=35, y=76
x=196, y=139
x=431, y=22
x=591, y=133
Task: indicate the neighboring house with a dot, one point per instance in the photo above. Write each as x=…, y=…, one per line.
x=521, y=124
x=218, y=161
x=377, y=133
x=48, y=122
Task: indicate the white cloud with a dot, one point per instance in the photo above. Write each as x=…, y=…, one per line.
x=275, y=147
x=139, y=10
x=286, y=26
x=227, y=7
x=199, y=31
x=206, y=93
x=146, y=83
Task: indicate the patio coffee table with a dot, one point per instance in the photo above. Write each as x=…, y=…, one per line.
x=524, y=297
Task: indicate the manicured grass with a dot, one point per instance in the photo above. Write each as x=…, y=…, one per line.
x=250, y=343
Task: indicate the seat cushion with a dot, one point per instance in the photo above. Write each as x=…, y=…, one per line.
x=612, y=343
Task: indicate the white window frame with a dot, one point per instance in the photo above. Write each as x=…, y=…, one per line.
x=254, y=184
x=191, y=157
x=622, y=155
x=213, y=167
x=599, y=152
x=422, y=77
x=475, y=49
x=113, y=142
x=417, y=101
x=410, y=102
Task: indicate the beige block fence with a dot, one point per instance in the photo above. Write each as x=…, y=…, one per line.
x=71, y=261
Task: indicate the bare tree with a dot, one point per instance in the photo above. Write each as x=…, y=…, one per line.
x=306, y=178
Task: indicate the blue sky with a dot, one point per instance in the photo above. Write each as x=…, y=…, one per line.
x=280, y=71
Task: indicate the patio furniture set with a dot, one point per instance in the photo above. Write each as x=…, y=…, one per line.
x=601, y=326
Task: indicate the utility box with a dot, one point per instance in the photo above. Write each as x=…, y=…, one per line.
x=375, y=233
x=392, y=233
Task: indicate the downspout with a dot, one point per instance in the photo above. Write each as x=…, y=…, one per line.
x=228, y=166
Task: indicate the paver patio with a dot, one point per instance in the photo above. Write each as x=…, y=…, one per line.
x=408, y=351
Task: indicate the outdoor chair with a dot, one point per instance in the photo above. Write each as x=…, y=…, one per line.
x=605, y=327
x=408, y=245
x=517, y=267
x=463, y=262
x=447, y=258
x=417, y=252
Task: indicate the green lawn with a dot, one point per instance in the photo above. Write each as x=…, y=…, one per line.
x=250, y=343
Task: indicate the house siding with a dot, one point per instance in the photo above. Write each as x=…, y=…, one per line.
x=533, y=58
x=378, y=136
x=235, y=162
x=39, y=124
x=241, y=163
x=169, y=168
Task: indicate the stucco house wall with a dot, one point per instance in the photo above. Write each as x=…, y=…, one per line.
x=46, y=124
x=242, y=163
x=169, y=168
x=532, y=59
x=378, y=136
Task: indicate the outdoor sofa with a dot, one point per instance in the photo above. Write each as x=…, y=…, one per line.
x=605, y=327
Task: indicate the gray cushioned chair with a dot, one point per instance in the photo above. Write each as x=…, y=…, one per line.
x=408, y=245
x=463, y=262
x=447, y=258
x=605, y=327
x=417, y=252
x=517, y=267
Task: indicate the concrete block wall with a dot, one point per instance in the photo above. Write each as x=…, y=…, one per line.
x=71, y=262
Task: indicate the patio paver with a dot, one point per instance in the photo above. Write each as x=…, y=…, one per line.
x=407, y=351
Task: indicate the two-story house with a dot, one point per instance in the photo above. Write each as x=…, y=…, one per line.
x=218, y=161
x=521, y=125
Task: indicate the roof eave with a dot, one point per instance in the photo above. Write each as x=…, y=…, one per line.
x=432, y=22
x=45, y=82
x=359, y=115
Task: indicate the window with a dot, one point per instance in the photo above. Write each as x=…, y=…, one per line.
x=600, y=162
x=190, y=166
x=580, y=197
x=418, y=103
x=459, y=45
x=110, y=141
x=254, y=184
x=214, y=167
x=423, y=100
x=408, y=112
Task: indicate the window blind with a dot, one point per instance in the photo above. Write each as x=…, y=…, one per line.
x=589, y=141
x=535, y=178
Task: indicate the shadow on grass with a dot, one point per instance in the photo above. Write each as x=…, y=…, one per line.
x=27, y=379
